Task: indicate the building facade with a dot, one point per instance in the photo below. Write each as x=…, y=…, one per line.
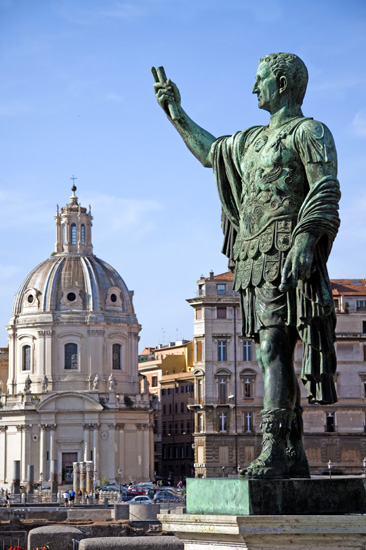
x=229, y=388
x=169, y=371
x=73, y=391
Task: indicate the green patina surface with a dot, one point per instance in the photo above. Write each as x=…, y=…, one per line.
x=226, y=496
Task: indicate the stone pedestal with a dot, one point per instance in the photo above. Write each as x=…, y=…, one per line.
x=270, y=532
x=238, y=496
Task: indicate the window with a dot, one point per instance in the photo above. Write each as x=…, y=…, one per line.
x=164, y=428
x=221, y=312
x=170, y=428
x=176, y=428
x=221, y=350
x=201, y=290
x=182, y=407
x=170, y=408
x=82, y=238
x=116, y=356
x=222, y=389
x=176, y=408
x=330, y=426
x=176, y=389
x=188, y=389
x=198, y=313
x=248, y=387
x=182, y=451
x=164, y=409
x=73, y=234
x=181, y=388
x=182, y=427
x=247, y=350
x=26, y=364
x=188, y=428
x=248, y=422
x=71, y=356
x=163, y=392
x=336, y=303
x=221, y=290
x=361, y=304
x=169, y=391
x=222, y=422
x=154, y=381
x=364, y=327
x=164, y=452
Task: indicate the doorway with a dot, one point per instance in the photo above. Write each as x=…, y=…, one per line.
x=67, y=467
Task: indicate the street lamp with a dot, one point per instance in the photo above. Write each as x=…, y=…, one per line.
x=330, y=466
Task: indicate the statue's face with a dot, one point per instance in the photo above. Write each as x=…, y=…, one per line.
x=266, y=87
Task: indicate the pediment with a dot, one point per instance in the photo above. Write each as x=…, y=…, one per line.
x=70, y=402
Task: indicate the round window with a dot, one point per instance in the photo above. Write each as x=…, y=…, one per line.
x=71, y=296
x=30, y=299
x=113, y=298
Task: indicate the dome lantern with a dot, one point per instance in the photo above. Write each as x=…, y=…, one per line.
x=73, y=228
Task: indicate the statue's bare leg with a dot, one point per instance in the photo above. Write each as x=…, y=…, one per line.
x=275, y=357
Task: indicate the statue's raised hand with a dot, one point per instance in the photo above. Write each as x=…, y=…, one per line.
x=167, y=93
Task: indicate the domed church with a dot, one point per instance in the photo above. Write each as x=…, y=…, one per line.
x=73, y=389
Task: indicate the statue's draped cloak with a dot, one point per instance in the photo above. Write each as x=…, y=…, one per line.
x=315, y=318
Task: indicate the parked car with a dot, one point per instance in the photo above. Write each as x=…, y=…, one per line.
x=167, y=496
x=141, y=499
x=111, y=487
x=134, y=490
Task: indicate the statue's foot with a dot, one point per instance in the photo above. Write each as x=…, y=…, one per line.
x=298, y=463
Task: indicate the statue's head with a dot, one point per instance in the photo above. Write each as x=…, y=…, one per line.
x=293, y=69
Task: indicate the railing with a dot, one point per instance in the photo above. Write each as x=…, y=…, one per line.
x=208, y=400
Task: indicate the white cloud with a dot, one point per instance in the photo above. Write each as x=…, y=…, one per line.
x=117, y=214
x=359, y=123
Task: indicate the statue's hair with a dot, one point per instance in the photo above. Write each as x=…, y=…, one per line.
x=293, y=68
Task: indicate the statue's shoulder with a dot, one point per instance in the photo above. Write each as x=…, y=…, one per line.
x=314, y=140
x=312, y=128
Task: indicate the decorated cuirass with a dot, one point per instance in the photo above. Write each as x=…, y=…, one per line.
x=274, y=186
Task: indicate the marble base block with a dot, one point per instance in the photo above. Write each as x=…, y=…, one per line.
x=279, y=532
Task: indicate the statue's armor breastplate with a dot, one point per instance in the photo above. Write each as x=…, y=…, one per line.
x=273, y=189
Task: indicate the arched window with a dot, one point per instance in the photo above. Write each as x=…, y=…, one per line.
x=26, y=362
x=82, y=236
x=116, y=356
x=73, y=233
x=63, y=233
x=71, y=356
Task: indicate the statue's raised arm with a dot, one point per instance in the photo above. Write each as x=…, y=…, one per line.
x=197, y=139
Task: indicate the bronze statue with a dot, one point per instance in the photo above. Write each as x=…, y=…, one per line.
x=279, y=192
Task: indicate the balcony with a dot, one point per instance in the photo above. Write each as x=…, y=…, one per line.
x=209, y=401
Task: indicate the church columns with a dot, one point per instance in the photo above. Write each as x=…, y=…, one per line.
x=4, y=452
x=25, y=446
x=95, y=447
x=112, y=453
x=52, y=453
x=121, y=448
x=42, y=449
x=11, y=374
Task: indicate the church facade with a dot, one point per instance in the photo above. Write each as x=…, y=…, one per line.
x=73, y=389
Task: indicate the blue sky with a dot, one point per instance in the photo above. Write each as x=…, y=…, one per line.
x=76, y=98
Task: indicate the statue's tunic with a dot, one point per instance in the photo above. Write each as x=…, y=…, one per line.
x=268, y=199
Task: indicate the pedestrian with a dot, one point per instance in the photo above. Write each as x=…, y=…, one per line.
x=66, y=498
x=72, y=497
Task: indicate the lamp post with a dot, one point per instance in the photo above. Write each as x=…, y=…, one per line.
x=330, y=466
